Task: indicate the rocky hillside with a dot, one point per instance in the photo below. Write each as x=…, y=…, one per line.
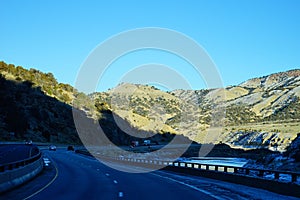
x=27, y=113
x=261, y=112
x=33, y=105
x=260, y=97
x=48, y=85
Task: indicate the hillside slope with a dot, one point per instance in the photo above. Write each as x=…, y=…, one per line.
x=27, y=113
x=261, y=112
x=33, y=105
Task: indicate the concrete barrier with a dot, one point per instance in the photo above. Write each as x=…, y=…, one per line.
x=17, y=176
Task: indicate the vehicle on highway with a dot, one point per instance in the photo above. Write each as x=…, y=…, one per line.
x=134, y=143
x=70, y=148
x=147, y=142
x=52, y=148
x=28, y=142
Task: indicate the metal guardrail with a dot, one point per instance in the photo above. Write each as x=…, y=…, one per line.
x=252, y=172
x=21, y=163
x=261, y=173
x=272, y=174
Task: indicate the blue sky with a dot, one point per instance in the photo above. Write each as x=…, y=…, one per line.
x=244, y=38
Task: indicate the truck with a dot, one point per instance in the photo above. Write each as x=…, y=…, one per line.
x=147, y=142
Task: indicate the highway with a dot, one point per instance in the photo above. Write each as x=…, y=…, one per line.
x=74, y=176
x=80, y=177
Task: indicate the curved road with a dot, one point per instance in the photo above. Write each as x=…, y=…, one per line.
x=80, y=177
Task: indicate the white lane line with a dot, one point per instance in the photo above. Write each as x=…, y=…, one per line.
x=107, y=174
x=115, y=181
x=40, y=190
x=121, y=194
x=190, y=186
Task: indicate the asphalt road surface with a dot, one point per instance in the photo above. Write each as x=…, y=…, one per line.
x=73, y=176
x=85, y=178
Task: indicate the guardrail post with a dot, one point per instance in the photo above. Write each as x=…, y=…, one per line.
x=235, y=170
x=261, y=173
x=247, y=172
x=207, y=167
x=216, y=168
x=225, y=169
x=294, y=177
x=276, y=175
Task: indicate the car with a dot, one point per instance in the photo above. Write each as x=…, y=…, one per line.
x=28, y=142
x=70, y=148
x=52, y=148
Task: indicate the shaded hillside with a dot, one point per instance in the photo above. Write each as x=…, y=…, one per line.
x=293, y=151
x=259, y=113
x=33, y=105
x=27, y=113
x=120, y=132
x=47, y=83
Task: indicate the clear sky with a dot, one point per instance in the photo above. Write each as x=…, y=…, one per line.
x=245, y=38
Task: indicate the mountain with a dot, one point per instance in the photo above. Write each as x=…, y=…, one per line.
x=260, y=112
x=27, y=113
x=33, y=105
x=47, y=84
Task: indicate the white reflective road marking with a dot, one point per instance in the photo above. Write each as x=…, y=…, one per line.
x=121, y=194
x=40, y=190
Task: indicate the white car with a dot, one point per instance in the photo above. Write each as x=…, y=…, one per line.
x=52, y=148
x=28, y=142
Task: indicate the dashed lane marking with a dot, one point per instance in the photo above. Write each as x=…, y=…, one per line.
x=121, y=194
